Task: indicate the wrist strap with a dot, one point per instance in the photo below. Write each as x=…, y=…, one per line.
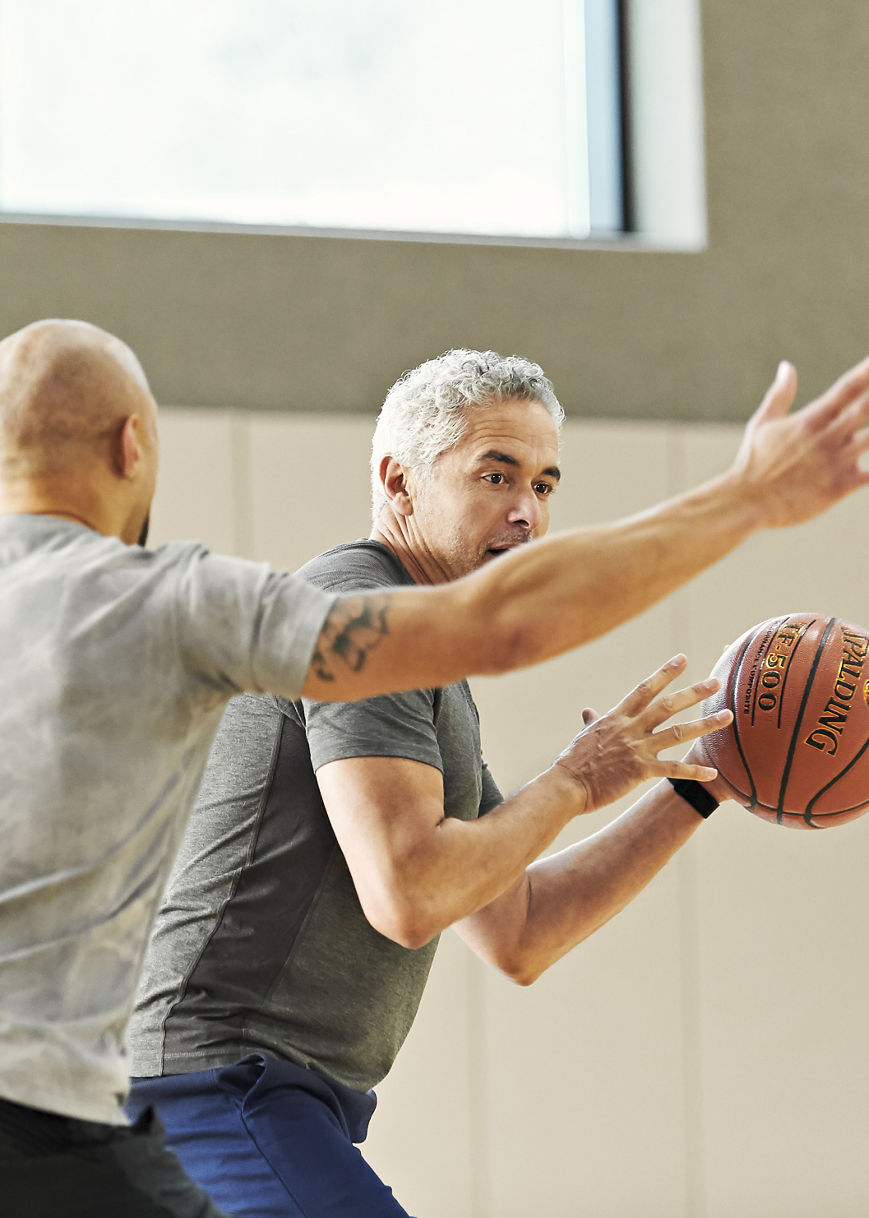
x=695, y=794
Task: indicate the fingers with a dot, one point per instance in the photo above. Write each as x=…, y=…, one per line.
x=798, y=465
x=616, y=751
x=851, y=385
x=846, y=439
x=646, y=704
x=779, y=398
x=671, y=704
x=643, y=694
x=686, y=769
x=845, y=425
x=680, y=733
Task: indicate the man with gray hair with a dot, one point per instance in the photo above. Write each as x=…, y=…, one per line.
x=332, y=844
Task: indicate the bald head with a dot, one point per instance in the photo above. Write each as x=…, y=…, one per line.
x=66, y=388
x=78, y=428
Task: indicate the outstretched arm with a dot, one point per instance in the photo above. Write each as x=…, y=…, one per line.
x=553, y=595
x=416, y=870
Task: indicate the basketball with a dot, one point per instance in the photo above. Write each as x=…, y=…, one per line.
x=797, y=751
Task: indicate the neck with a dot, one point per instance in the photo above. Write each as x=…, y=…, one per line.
x=34, y=498
x=420, y=566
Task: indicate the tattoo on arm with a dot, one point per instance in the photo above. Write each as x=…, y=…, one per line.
x=354, y=626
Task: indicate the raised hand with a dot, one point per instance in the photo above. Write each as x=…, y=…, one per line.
x=617, y=751
x=795, y=466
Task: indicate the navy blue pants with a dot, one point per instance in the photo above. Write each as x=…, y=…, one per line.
x=268, y=1139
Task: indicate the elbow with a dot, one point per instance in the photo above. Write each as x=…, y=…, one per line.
x=402, y=920
x=408, y=933
x=521, y=967
x=530, y=960
x=522, y=973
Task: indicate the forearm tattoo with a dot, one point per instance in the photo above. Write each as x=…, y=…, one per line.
x=354, y=626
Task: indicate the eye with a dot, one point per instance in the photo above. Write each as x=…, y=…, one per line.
x=544, y=488
x=496, y=479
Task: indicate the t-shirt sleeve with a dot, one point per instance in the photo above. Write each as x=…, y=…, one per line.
x=394, y=725
x=244, y=627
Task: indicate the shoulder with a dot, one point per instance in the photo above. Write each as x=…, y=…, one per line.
x=173, y=556
x=239, y=622
x=197, y=580
x=194, y=566
x=353, y=566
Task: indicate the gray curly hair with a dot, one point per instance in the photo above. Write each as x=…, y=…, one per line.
x=424, y=412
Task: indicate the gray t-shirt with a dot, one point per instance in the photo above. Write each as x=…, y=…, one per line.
x=116, y=663
x=261, y=943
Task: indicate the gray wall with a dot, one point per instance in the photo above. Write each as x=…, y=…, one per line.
x=288, y=322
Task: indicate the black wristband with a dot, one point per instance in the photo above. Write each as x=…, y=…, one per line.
x=695, y=794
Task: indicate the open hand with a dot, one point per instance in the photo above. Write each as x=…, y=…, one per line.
x=795, y=466
x=617, y=751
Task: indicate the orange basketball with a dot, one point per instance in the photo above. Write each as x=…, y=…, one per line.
x=797, y=751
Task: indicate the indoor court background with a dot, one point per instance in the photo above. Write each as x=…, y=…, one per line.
x=705, y=1055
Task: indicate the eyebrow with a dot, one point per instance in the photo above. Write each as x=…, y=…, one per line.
x=505, y=459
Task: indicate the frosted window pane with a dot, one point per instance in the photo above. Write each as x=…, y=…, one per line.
x=447, y=116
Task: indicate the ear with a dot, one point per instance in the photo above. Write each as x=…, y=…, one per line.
x=395, y=482
x=128, y=450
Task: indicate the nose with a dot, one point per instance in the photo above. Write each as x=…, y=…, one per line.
x=527, y=510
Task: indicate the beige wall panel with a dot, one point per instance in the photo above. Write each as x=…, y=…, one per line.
x=783, y=1005
x=586, y=1072
x=202, y=475
x=309, y=489
x=782, y=996
x=424, y=1142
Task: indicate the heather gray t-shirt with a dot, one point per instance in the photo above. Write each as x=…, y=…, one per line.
x=261, y=943
x=115, y=666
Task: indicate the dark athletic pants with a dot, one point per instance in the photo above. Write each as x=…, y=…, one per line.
x=59, y=1167
x=268, y=1139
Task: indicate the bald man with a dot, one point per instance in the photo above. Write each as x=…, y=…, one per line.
x=117, y=662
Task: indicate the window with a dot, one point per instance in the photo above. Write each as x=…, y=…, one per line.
x=484, y=117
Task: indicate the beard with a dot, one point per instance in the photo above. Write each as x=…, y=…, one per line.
x=143, y=534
